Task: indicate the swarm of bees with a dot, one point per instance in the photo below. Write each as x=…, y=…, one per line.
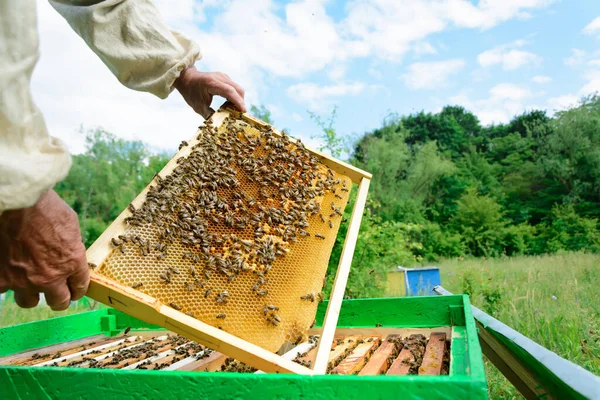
x=226, y=230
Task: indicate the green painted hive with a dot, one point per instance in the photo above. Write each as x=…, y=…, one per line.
x=452, y=314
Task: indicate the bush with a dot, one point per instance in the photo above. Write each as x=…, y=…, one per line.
x=518, y=239
x=437, y=243
x=565, y=230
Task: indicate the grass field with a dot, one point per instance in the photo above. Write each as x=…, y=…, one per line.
x=554, y=300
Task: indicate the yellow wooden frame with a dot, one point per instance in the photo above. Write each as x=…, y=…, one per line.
x=151, y=310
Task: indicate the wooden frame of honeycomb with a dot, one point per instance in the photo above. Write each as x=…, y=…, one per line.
x=112, y=283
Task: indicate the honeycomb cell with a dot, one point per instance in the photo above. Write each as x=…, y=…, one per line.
x=243, y=226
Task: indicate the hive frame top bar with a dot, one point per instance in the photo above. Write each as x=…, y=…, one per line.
x=338, y=166
x=151, y=310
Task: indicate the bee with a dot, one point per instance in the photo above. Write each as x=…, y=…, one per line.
x=276, y=317
x=221, y=316
x=261, y=292
x=183, y=144
x=115, y=242
x=122, y=249
x=92, y=265
x=127, y=330
x=322, y=218
x=175, y=270
x=125, y=239
x=272, y=308
x=137, y=285
x=143, y=251
x=175, y=306
x=378, y=325
x=310, y=296
x=320, y=297
x=199, y=283
x=192, y=271
x=131, y=208
x=190, y=287
x=190, y=314
x=330, y=224
x=166, y=278
x=318, y=235
x=338, y=196
x=207, y=293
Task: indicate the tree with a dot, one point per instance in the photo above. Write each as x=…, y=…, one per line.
x=261, y=112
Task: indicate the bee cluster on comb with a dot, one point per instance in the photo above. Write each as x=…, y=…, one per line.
x=238, y=234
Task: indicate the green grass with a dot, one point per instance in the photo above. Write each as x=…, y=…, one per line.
x=554, y=300
x=11, y=314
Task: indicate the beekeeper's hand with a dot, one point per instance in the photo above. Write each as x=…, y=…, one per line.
x=198, y=89
x=41, y=251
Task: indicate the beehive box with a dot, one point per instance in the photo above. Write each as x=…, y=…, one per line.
x=173, y=368
x=229, y=245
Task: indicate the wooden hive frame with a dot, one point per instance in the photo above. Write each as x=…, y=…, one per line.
x=151, y=310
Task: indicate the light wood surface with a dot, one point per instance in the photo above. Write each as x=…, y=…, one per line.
x=341, y=278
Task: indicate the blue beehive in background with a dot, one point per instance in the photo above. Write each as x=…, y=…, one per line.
x=412, y=281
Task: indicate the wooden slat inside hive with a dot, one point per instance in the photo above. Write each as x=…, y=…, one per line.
x=357, y=353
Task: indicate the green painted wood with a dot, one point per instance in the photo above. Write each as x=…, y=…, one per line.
x=416, y=312
x=476, y=367
x=457, y=315
x=18, y=338
x=44, y=383
x=467, y=379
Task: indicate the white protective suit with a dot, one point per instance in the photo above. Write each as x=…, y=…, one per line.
x=129, y=36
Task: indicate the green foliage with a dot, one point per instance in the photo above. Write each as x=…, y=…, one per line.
x=566, y=230
x=332, y=142
x=479, y=220
x=261, y=112
x=104, y=179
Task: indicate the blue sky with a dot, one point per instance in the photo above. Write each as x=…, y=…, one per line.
x=497, y=58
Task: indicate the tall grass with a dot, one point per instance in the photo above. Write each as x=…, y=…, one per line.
x=11, y=314
x=554, y=300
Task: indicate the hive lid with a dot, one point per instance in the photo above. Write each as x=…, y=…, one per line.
x=230, y=243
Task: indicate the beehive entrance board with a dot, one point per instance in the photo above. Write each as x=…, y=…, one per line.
x=230, y=243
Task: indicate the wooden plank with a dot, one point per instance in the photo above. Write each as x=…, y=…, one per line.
x=63, y=348
x=517, y=373
x=358, y=358
x=209, y=364
x=380, y=360
x=104, y=348
x=401, y=365
x=434, y=355
x=341, y=278
x=341, y=350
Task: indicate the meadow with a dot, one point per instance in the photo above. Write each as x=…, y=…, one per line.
x=553, y=300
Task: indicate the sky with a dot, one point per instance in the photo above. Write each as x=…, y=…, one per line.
x=497, y=58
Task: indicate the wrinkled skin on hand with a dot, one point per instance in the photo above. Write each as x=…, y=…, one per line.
x=198, y=89
x=41, y=251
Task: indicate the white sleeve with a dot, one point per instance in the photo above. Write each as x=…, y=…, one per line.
x=31, y=161
x=132, y=39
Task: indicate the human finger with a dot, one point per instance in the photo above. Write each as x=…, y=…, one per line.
x=78, y=283
x=26, y=298
x=237, y=88
x=228, y=91
x=58, y=297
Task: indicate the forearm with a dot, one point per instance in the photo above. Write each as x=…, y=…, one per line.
x=132, y=39
x=31, y=161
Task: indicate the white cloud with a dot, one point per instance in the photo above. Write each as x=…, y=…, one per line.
x=431, y=75
x=508, y=56
x=593, y=28
x=315, y=96
x=562, y=102
x=577, y=58
x=297, y=117
x=422, y=48
x=541, y=79
x=505, y=100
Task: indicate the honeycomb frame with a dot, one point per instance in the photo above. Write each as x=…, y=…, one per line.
x=148, y=305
